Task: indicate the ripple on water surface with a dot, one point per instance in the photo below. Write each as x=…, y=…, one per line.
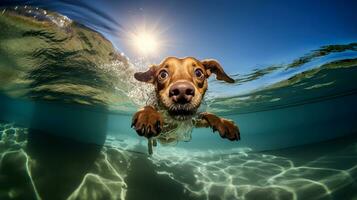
x=37, y=165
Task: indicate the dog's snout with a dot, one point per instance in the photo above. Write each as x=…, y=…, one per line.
x=182, y=92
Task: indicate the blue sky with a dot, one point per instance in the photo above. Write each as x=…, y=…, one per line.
x=241, y=34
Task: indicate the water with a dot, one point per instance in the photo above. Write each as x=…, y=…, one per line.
x=67, y=96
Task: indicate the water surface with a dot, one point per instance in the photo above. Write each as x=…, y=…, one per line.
x=67, y=96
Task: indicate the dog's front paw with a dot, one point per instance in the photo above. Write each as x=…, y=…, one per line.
x=147, y=122
x=226, y=128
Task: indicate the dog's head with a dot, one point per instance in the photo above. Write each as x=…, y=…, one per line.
x=181, y=83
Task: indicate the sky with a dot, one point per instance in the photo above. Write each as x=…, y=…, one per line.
x=241, y=34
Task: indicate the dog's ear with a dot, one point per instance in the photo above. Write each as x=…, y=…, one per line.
x=212, y=66
x=148, y=76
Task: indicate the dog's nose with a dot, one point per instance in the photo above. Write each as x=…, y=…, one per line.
x=182, y=92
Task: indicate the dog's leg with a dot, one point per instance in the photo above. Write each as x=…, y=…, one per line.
x=150, y=146
x=147, y=122
x=151, y=143
x=226, y=128
x=200, y=123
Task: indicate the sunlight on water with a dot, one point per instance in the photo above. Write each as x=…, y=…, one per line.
x=42, y=69
x=71, y=94
x=20, y=167
x=244, y=175
x=233, y=174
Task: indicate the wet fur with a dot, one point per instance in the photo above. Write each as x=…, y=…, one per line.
x=164, y=115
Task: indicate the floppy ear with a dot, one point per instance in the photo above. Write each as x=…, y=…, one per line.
x=212, y=66
x=147, y=76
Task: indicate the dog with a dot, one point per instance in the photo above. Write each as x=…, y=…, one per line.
x=180, y=85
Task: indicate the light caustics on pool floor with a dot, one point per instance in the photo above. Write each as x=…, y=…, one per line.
x=113, y=172
x=59, y=66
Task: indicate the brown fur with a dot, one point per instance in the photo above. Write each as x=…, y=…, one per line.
x=149, y=122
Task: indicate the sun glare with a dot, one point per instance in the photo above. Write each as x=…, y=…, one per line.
x=145, y=42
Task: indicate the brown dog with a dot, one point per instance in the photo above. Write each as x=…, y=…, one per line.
x=180, y=85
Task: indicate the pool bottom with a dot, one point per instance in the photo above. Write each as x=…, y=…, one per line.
x=35, y=165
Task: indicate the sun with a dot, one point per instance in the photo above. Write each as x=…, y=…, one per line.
x=147, y=39
x=145, y=42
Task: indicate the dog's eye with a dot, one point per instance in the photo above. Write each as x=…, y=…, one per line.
x=163, y=75
x=199, y=73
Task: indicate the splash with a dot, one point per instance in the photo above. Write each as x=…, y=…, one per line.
x=47, y=56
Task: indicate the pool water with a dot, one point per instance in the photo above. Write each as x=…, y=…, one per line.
x=41, y=166
x=67, y=96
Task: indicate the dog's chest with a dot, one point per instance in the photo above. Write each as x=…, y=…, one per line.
x=175, y=130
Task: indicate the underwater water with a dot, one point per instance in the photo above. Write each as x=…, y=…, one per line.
x=67, y=96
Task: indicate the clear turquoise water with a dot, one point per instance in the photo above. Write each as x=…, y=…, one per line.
x=67, y=96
